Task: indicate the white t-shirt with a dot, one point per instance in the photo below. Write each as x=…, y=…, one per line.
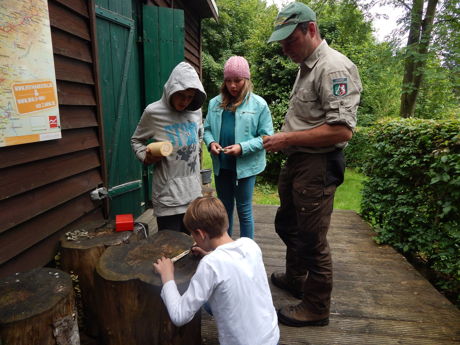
x=232, y=279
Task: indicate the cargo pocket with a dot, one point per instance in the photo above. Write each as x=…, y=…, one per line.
x=314, y=206
x=307, y=200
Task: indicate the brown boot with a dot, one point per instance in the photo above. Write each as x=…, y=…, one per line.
x=279, y=279
x=299, y=316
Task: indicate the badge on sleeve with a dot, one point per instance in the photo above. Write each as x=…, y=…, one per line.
x=339, y=86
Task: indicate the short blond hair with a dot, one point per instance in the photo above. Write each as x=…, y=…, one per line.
x=208, y=214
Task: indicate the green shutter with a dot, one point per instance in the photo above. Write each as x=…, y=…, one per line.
x=163, y=36
x=121, y=96
x=163, y=47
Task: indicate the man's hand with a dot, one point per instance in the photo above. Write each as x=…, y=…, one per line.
x=276, y=142
x=165, y=268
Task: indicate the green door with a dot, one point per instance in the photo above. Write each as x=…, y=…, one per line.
x=163, y=37
x=122, y=105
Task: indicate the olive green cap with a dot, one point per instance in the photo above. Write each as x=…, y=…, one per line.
x=288, y=18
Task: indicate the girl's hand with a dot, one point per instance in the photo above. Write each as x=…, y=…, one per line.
x=233, y=150
x=165, y=268
x=215, y=148
x=150, y=158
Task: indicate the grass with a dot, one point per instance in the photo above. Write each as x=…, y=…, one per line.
x=347, y=196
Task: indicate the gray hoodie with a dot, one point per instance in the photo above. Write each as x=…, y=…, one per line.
x=176, y=178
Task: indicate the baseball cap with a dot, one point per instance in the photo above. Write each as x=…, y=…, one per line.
x=288, y=18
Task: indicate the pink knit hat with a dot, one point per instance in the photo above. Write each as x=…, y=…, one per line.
x=237, y=67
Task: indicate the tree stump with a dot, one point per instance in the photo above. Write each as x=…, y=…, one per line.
x=130, y=308
x=80, y=252
x=37, y=307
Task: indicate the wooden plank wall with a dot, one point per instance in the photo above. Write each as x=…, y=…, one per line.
x=44, y=187
x=192, y=42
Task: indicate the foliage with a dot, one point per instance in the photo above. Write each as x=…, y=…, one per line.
x=437, y=98
x=238, y=19
x=275, y=160
x=412, y=195
x=355, y=152
x=348, y=195
x=432, y=58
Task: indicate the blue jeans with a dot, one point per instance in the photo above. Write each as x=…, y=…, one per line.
x=229, y=190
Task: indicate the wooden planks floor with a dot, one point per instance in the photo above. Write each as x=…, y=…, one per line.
x=378, y=297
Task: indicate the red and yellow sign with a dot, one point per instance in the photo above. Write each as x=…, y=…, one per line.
x=29, y=106
x=35, y=96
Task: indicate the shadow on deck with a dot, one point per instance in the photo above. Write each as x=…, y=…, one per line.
x=378, y=297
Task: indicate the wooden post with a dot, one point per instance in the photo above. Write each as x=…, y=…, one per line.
x=130, y=308
x=80, y=252
x=37, y=307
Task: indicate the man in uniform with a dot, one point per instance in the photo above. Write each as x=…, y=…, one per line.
x=318, y=124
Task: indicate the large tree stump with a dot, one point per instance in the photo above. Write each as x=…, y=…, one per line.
x=80, y=252
x=37, y=307
x=130, y=308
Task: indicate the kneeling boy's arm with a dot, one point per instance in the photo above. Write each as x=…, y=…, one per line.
x=182, y=309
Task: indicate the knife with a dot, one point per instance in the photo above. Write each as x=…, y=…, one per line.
x=181, y=255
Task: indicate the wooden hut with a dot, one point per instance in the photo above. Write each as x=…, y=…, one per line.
x=111, y=58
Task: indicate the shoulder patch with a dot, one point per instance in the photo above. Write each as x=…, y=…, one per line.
x=340, y=86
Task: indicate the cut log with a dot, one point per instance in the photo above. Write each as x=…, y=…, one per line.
x=130, y=308
x=37, y=307
x=80, y=252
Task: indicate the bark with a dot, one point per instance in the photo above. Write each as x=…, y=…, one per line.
x=417, y=48
x=80, y=253
x=129, y=306
x=37, y=307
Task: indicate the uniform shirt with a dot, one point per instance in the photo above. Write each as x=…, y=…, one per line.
x=327, y=90
x=232, y=279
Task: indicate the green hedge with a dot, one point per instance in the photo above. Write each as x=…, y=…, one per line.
x=412, y=194
x=355, y=152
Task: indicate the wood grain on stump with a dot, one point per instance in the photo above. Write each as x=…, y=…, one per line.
x=80, y=252
x=37, y=307
x=130, y=308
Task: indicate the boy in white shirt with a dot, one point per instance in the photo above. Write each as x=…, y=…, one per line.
x=230, y=278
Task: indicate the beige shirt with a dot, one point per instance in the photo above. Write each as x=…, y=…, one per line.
x=327, y=90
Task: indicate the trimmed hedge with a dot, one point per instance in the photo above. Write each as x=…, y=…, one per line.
x=356, y=148
x=412, y=194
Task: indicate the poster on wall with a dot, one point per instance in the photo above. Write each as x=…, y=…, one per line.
x=28, y=95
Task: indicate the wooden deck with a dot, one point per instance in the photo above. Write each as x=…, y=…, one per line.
x=378, y=297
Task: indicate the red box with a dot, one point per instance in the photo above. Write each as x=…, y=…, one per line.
x=124, y=222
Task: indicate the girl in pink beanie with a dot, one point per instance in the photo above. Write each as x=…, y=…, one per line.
x=237, y=120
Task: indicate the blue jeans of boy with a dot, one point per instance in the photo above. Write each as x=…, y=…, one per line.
x=229, y=190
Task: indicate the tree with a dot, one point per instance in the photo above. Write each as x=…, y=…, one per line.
x=238, y=20
x=420, y=30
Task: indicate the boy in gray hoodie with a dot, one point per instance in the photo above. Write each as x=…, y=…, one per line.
x=176, y=118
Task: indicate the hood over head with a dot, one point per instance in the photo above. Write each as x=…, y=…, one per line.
x=184, y=77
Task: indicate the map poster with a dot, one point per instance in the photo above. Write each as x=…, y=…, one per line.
x=29, y=109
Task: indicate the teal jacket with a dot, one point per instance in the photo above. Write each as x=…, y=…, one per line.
x=252, y=121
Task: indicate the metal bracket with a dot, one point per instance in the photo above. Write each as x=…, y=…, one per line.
x=99, y=193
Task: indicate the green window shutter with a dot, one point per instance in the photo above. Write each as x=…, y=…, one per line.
x=121, y=96
x=163, y=36
x=163, y=47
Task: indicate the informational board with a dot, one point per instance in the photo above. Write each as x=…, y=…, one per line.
x=28, y=95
